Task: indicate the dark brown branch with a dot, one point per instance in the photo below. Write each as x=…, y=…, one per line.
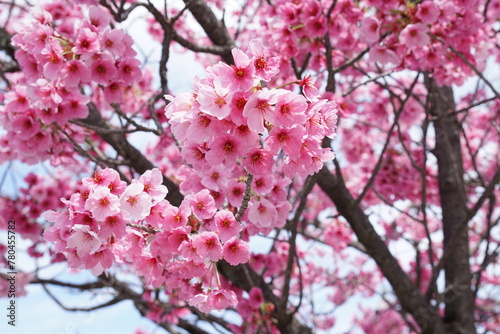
x=120, y=143
x=113, y=301
x=244, y=277
x=409, y=296
x=459, y=309
x=81, y=287
x=212, y=49
x=214, y=28
x=284, y=317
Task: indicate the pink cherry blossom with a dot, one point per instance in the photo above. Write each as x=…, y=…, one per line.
x=202, y=204
x=86, y=44
x=200, y=302
x=153, y=184
x=215, y=100
x=111, y=40
x=112, y=225
x=259, y=108
x=75, y=72
x=258, y=162
x=102, y=203
x=208, y=246
x=113, y=93
x=262, y=213
x=263, y=184
x=370, y=30
x=316, y=26
x=135, y=201
x=236, y=251
x=222, y=299
x=128, y=70
x=256, y=297
x=236, y=190
x=227, y=226
x=99, y=261
x=265, y=67
x=311, y=92
x=383, y=55
x=414, y=35
x=215, y=179
x=239, y=76
x=84, y=240
x=289, y=110
x=428, y=12
x=287, y=139
x=98, y=17
x=53, y=60
x=103, y=70
x=175, y=217
x=225, y=149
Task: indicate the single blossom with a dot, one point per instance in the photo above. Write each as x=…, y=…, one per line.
x=84, y=240
x=236, y=251
x=414, y=35
x=225, y=149
x=103, y=70
x=222, y=299
x=370, y=30
x=202, y=203
x=259, y=162
x=102, y=203
x=240, y=76
x=227, y=225
x=262, y=213
x=428, y=12
x=256, y=297
x=208, y=246
x=153, y=184
x=287, y=139
x=290, y=110
x=214, y=100
x=87, y=43
x=259, y=108
x=265, y=67
x=135, y=201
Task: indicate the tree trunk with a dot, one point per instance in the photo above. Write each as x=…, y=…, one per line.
x=459, y=300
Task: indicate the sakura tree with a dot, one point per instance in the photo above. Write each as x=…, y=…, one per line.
x=332, y=155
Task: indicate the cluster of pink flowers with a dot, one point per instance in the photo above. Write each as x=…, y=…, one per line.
x=109, y=221
x=419, y=38
x=41, y=193
x=237, y=134
x=235, y=125
x=65, y=56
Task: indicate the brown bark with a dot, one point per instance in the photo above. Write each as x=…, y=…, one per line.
x=213, y=27
x=408, y=294
x=119, y=142
x=459, y=300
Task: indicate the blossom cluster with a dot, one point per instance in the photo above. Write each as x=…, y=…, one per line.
x=237, y=135
x=109, y=221
x=235, y=125
x=66, y=63
x=396, y=34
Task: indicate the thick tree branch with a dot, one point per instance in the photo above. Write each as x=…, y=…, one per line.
x=244, y=277
x=120, y=143
x=410, y=298
x=459, y=310
x=214, y=28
